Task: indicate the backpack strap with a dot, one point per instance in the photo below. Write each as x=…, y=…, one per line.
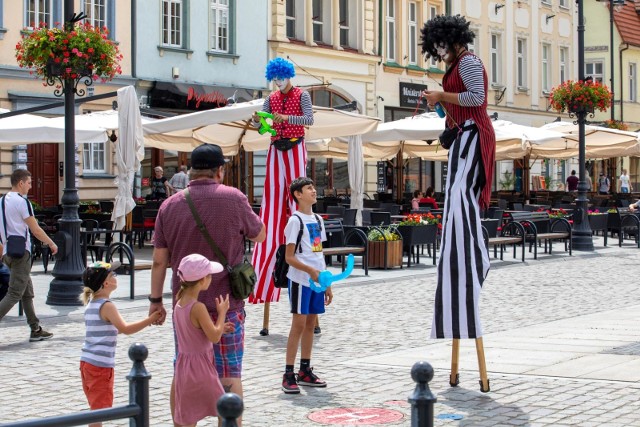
x=299, y=239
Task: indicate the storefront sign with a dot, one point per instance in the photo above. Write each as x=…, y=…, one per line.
x=145, y=182
x=410, y=95
x=382, y=181
x=182, y=96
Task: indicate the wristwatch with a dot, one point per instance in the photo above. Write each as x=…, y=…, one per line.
x=155, y=300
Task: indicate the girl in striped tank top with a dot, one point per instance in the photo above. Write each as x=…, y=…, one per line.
x=103, y=323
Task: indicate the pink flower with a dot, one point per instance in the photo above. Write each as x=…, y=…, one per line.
x=74, y=50
x=87, y=40
x=67, y=70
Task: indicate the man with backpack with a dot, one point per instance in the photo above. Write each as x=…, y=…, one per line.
x=603, y=184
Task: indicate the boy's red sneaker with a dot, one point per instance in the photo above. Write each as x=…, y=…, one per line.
x=308, y=378
x=289, y=383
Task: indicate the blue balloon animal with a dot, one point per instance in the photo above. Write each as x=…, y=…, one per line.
x=264, y=126
x=326, y=279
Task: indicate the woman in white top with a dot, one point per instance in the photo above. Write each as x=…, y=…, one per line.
x=624, y=183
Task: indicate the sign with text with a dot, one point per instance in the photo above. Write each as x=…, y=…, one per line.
x=382, y=181
x=410, y=95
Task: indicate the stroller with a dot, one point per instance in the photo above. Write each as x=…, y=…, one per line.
x=4, y=280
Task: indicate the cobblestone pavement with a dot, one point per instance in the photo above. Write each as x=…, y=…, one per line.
x=363, y=331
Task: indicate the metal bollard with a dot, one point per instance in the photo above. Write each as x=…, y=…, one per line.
x=139, y=384
x=230, y=408
x=422, y=400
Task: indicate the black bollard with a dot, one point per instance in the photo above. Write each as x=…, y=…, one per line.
x=422, y=400
x=139, y=384
x=230, y=408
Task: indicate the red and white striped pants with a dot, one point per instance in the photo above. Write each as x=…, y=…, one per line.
x=277, y=205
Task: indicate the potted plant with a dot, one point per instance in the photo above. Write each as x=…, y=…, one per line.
x=580, y=96
x=598, y=222
x=56, y=53
x=384, y=247
x=615, y=124
x=417, y=230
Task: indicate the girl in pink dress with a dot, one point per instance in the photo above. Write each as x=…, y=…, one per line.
x=196, y=387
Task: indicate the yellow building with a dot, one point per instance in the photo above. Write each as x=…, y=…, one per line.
x=20, y=90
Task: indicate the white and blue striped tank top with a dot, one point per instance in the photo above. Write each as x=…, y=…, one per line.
x=99, y=348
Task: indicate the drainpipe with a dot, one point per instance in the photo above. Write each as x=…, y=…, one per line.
x=380, y=6
x=133, y=38
x=621, y=97
x=447, y=7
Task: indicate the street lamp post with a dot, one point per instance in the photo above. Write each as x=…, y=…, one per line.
x=582, y=239
x=66, y=286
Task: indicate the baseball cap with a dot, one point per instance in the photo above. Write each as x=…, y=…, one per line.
x=207, y=156
x=96, y=273
x=195, y=266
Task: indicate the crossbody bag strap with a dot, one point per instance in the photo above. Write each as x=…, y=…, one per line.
x=204, y=231
x=4, y=219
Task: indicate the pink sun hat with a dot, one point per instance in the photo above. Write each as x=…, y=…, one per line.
x=195, y=266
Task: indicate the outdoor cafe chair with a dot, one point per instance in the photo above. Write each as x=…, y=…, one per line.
x=380, y=218
x=338, y=210
x=349, y=217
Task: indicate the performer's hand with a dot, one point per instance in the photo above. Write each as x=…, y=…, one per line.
x=278, y=118
x=432, y=97
x=255, y=118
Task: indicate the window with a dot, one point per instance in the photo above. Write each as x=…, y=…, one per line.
x=391, y=30
x=413, y=33
x=317, y=20
x=344, y=22
x=521, y=61
x=220, y=26
x=38, y=11
x=632, y=83
x=475, y=44
x=94, y=157
x=327, y=98
x=496, y=59
x=172, y=23
x=563, y=63
x=546, y=68
x=564, y=3
x=96, y=11
x=595, y=70
x=433, y=12
x=290, y=12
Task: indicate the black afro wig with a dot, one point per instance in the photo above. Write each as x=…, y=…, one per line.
x=450, y=30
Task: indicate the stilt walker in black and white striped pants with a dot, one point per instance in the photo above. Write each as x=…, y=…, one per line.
x=464, y=259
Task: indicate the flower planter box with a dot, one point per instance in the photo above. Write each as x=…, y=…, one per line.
x=376, y=252
x=599, y=223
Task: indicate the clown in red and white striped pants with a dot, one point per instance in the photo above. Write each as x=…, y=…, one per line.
x=277, y=205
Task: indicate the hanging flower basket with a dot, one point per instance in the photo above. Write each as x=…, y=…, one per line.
x=580, y=97
x=84, y=51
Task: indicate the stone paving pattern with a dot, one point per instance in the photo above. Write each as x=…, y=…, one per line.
x=385, y=313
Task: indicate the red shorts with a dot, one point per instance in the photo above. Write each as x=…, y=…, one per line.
x=97, y=384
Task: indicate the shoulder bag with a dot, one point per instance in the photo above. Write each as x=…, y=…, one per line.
x=241, y=276
x=16, y=245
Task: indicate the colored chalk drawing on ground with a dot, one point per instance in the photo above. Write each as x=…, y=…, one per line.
x=356, y=416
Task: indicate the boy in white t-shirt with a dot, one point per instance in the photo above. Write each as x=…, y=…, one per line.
x=305, y=262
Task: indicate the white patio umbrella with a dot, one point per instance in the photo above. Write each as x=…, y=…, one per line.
x=230, y=127
x=356, y=175
x=129, y=153
x=600, y=142
x=33, y=129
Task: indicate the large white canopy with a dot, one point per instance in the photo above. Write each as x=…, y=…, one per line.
x=32, y=129
x=230, y=127
x=600, y=142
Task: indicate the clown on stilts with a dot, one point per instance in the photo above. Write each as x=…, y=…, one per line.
x=464, y=258
x=286, y=161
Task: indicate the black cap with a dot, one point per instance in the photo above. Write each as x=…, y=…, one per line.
x=207, y=156
x=96, y=273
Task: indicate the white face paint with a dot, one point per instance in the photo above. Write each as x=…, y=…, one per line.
x=442, y=51
x=281, y=83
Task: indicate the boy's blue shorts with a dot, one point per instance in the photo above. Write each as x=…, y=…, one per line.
x=305, y=301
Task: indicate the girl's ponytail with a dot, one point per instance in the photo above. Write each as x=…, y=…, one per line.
x=86, y=295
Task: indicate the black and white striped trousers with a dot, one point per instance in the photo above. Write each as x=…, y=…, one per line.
x=464, y=260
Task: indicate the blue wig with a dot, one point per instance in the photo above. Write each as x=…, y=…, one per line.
x=280, y=69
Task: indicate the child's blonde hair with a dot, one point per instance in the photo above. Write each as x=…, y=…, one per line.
x=184, y=285
x=86, y=295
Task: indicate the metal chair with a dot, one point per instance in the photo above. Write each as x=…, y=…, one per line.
x=349, y=217
x=380, y=218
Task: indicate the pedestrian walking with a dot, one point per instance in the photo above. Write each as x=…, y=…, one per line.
x=228, y=218
x=160, y=187
x=18, y=224
x=624, y=183
x=197, y=386
x=604, y=185
x=572, y=181
x=103, y=324
x=305, y=262
x=179, y=180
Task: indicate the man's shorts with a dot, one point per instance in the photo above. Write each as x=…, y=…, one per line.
x=229, y=351
x=305, y=301
x=97, y=384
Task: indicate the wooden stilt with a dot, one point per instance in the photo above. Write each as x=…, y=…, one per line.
x=265, y=320
x=454, y=379
x=482, y=367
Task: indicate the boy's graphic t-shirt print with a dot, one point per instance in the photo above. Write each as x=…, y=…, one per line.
x=315, y=237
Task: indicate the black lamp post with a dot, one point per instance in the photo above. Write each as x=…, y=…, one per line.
x=582, y=239
x=66, y=286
